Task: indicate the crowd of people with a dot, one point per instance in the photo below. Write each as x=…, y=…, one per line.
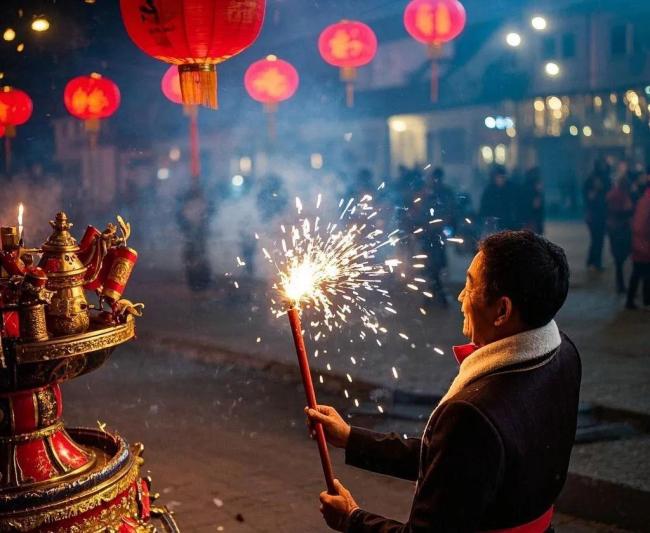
x=617, y=206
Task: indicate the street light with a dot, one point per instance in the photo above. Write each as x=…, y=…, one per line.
x=9, y=34
x=40, y=24
x=552, y=69
x=538, y=23
x=513, y=39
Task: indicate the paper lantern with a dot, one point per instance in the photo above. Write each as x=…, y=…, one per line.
x=196, y=35
x=348, y=45
x=91, y=98
x=271, y=80
x=2, y=131
x=15, y=109
x=171, y=85
x=434, y=22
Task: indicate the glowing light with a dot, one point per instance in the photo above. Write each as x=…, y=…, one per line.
x=316, y=161
x=487, y=154
x=598, y=101
x=625, y=128
x=20, y=47
x=9, y=34
x=398, y=125
x=163, y=173
x=513, y=39
x=511, y=132
x=499, y=155
x=573, y=130
x=554, y=103
x=237, y=180
x=245, y=164
x=490, y=122
x=21, y=211
x=552, y=69
x=586, y=131
x=539, y=105
x=538, y=23
x=40, y=24
x=174, y=153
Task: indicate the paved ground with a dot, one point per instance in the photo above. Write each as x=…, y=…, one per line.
x=227, y=446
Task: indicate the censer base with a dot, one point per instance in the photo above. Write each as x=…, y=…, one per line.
x=111, y=496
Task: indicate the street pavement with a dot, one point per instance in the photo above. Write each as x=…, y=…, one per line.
x=227, y=445
x=211, y=386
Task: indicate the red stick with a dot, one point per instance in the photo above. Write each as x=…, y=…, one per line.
x=301, y=352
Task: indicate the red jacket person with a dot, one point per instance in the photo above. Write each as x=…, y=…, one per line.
x=495, y=452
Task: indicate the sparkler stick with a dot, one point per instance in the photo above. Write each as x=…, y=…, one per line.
x=301, y=352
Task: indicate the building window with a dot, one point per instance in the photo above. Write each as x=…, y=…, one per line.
x=618, y=40
x=568, y=45
x=549, y=48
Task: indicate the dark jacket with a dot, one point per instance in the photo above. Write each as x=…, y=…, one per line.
x=493, y=456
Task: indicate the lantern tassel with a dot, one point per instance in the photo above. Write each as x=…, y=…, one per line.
x=195, y=158
x=349, y=75
x=199, y=84
x=435, y=52
x=271, y=109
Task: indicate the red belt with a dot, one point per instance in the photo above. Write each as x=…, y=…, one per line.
x=539, y=525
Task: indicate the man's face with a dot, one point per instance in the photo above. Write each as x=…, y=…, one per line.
x=479, y=316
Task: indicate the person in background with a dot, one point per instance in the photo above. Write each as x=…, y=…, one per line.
x=532, y=202
x=498, y=203
x=640, y=251
x=594, y=192
x=619, y=229
x=638, y=184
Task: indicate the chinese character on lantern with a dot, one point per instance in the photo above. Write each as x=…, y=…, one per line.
x=434, y=22
x=348, y=45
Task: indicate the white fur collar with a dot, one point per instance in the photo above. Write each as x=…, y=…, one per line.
x=519, y=348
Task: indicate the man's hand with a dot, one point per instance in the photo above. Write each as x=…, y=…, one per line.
x=337, y=509
x=337, y=430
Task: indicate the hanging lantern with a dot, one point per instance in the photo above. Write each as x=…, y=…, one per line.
x=170, y=84
x=2, y=131
x=196, y=35
x=434, y=22
x=91, y=98
x=348, y=45
x=15, y=109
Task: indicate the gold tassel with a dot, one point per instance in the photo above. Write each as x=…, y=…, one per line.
x=199, y=84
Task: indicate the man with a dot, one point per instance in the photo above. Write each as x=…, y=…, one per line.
x=499, y=201
x=495, y=452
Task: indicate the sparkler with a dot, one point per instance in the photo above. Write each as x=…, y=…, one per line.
x=317, y=269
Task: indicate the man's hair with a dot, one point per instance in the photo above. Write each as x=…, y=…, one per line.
x=532, y=271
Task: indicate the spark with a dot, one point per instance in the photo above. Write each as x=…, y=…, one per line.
x=435, y=221
x=404, y=336
x=412, y=287
x=422, y=310
x=346, y=393
x=298, y=205
x=380, y=408
x=418, y=199
x=349, y=377
x=356, y=402
x=427, y=294
x=395, y=373
x=438, y=351
x=455, y=239
x=259, y=339
x=468, y=220
x=240, y=262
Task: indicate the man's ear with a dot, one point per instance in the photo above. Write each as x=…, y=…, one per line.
x=504, y=311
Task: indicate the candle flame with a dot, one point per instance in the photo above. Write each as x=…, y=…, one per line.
x=21, y=210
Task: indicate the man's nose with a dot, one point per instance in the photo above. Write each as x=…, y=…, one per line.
x=461, y=295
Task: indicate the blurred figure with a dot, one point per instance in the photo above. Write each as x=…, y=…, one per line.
x=498, y=202
x=640, y=251
x=619, y=218
x=532, y=202
x=594, y=191
x=439, y=202
x=639, y=184
x=193, y=216
x=362, y=185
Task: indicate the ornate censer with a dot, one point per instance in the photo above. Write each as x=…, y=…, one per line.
x=53, y=478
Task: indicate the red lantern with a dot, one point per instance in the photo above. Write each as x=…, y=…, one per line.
x=91, y=98
x=196, y=35
x=15, y=109
x=170, y=84
x=348, y=45
x=2, y=131
x=271, y=81
x=434, y=22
